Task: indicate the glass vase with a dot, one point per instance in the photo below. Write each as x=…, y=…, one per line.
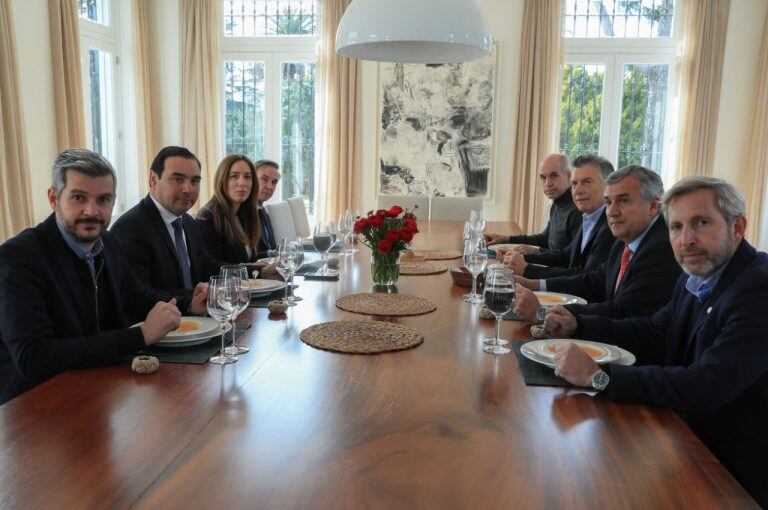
x=385, y=267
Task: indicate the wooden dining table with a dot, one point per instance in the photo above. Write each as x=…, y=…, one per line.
x=441, y=425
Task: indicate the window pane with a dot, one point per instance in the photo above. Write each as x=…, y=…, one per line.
x=618, y=18
x=244, y=98
x=580, y=109
x=643, y=112
x=94, y=10
x=254, y=18
x=297, y=98
x=98, y=99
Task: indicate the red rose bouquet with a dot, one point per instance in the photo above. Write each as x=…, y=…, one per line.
x=386, y=232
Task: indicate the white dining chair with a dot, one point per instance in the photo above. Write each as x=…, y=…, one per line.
x=454, y=208
x=300, y=219
x=417, y=204
x=282, y=220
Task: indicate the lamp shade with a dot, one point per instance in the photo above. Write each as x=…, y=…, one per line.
x=414, y=31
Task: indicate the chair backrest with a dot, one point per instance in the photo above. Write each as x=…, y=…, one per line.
x=300, y=219
x=282, y=220
x=454, y=208
x=417, y=204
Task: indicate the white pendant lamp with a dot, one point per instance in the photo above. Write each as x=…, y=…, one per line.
x=414, y=31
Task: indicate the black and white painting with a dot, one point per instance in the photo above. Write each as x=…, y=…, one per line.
x=437, y=128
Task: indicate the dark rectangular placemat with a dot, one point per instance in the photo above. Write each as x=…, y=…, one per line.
x=197, y=354
x=311, y=267
x=536, y=374
x=263, y=301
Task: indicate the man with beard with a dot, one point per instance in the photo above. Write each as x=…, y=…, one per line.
x=67, y=295
x=160, y=240
x=706, y=352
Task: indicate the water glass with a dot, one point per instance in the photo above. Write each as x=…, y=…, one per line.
x=286, y=266
x=238, y=276
x=350, y=217
x=222, y=301
x=299, y=243
x=475, y=260
x=499, y=298
x=343, y=227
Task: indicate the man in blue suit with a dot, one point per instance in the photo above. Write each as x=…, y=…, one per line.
x=705, y=354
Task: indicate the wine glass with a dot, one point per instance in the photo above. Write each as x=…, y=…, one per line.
x=499, y=297
x=475, y=260
x=350, y=217
x=286, y=265
x=344, y=228
x=239, y=275
x=222, y=300
x=299, y=243
x=479, y=223
x=323, y=240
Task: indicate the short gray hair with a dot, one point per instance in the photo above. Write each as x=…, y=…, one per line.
x=84, y=161
x=651, y=186
x=729, y=199
x=602, y=164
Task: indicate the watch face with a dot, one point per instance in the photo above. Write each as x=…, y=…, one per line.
x=600, y=380
x=541, y=314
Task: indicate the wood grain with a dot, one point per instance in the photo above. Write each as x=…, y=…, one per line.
x=443, y=425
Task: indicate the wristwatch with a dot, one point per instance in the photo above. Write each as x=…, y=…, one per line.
x=600, y=380
x=541, y=314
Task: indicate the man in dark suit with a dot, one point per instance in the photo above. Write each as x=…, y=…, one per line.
x=161, y=241
x=268, y=175
x=705, y=354
x=641, y=271
x=594, y=239
x=67, y=295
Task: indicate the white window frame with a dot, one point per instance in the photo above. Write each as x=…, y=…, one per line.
x=614, y=54
x=273, y=51
x=106, y=38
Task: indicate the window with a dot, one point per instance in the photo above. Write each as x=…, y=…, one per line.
x=269, y=88
x=100, y=57
x=615, y=81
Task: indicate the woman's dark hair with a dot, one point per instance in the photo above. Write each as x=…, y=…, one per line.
x=225, y=217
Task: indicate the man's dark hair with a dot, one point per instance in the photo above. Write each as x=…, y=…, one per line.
x=266, y=162
x=605, y=166
x=158, y=164
x=84, y=161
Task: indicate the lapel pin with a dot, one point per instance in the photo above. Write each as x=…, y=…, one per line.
x=709, y=309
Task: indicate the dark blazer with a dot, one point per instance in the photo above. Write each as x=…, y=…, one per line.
x=216, y=243
x=43, y=314
x=266, y=241
x=573, y=260
x=151, y=252
x=707, y=360
x=564, y=222
x=646, y=286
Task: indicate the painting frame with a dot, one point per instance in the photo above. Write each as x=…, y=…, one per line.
x=490, y=197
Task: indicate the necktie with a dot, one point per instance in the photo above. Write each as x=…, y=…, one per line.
x=264, y=228
x=626, y=255
x=181, y=249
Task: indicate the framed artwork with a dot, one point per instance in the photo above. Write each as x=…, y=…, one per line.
x=436, y=128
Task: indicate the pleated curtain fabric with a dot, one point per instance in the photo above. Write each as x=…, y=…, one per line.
x=339, y=118
x=147, y=110
x=15, y=196
x=541, y=53
x=67, y=77
x=200, y=76
x=758, y=153
x=704, y=26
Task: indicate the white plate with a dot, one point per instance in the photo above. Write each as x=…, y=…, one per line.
x=627, y=358
x=201, y=325
x=558, y=298
x=262, y=286
x=199, y=339
x=502, y=246
x=604, y=353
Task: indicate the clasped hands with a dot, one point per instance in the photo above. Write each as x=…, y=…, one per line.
x=164, y=317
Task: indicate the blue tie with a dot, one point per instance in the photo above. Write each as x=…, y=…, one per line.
x=264, y=228
x=181, y=249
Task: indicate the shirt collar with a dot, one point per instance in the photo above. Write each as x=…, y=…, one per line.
x=593, y=216
x=77, y=248
x=703, y=288
x=635, y=243
x=565, y=197
x=168, y=216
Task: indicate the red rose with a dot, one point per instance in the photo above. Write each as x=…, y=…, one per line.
x=385, y=246
x=361, y=224
x=410, y=226
x=376, y=221
x=406, y=236
x=409, y=216
x=394, y=210
x=381, y=212
x=392, y=235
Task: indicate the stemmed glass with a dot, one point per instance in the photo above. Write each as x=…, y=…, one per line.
x=500, y=299
x=221, y=302
x=350, y=217
x=343, y=227
x=323, y=240
x=475, y=260
x=238, y=275
x=299, y=243
x=286, y=265
x=477, y=222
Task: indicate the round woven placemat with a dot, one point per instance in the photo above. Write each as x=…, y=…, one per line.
x=361, y=337
x=438, y=254
x=385, y=304
x=421, y=268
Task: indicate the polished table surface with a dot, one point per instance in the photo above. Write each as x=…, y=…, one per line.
x=443, y=425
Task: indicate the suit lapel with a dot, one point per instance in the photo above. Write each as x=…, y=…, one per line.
x=162, y=231
x=678, y=340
